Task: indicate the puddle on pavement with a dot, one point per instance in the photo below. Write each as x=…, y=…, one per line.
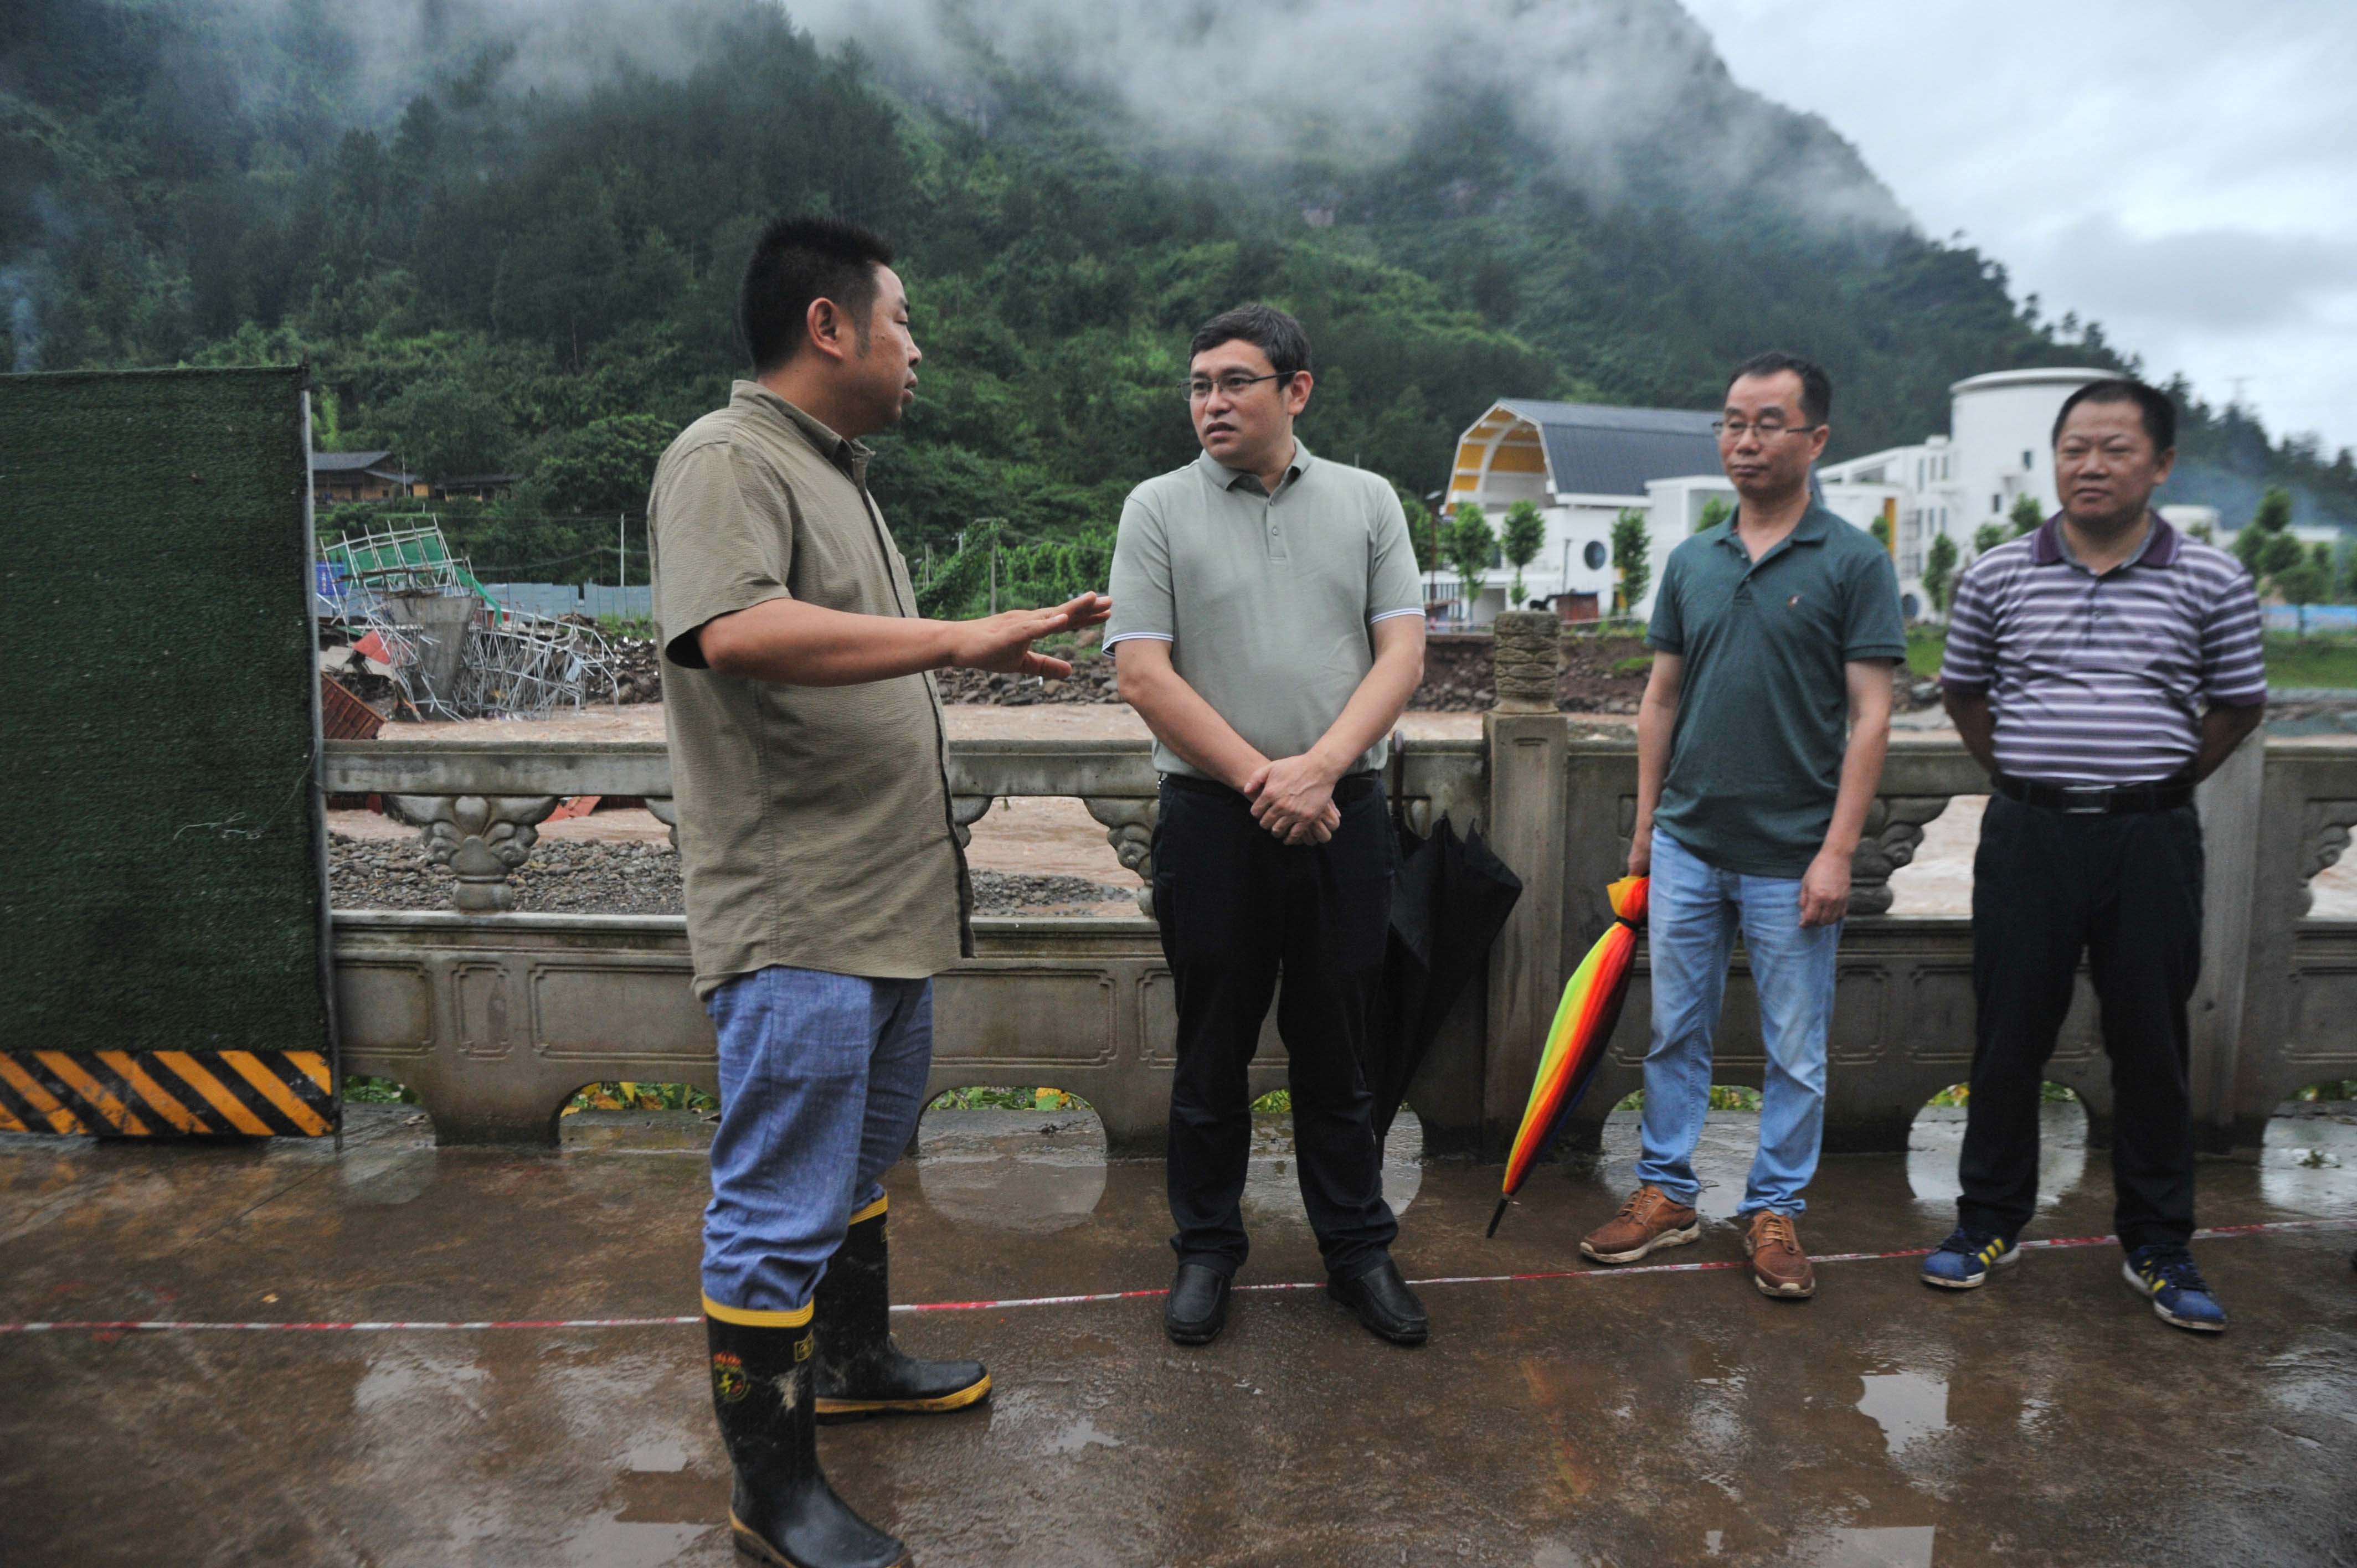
x=1273, y=1179
x=1907, y=1406
x=1028, y=1172
x=2308, y=1163
x=1893, y=1546
x=386, y=1176
x=1080, y=1436
x=1939, y=1137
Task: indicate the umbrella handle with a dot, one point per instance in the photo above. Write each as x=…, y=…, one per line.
x=1500, y=1213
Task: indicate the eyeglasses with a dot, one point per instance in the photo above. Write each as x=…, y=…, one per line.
x=1735, y=430
x=1200, y=387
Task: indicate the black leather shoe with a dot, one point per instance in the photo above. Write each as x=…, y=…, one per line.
x=1197, y=1309
x=1384, y=1303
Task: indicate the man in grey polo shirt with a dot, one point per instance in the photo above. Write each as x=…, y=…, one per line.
x=2099, y=669
x=1270, y=624
x=1760, y=742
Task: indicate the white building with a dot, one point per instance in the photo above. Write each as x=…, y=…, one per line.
x=1999, y=447
x=1582, y=465
x=1585, y=464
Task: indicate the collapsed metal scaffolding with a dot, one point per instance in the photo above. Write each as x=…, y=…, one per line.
x=397, y=589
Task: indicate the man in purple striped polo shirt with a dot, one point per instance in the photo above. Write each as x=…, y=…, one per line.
x=2099, y=668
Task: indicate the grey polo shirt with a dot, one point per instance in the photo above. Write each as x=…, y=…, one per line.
x=1763, y=716
x=1264, y=599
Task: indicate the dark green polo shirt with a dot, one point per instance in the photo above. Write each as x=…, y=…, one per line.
x=1756, y=754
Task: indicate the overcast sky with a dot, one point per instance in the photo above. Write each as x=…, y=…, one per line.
x=2183, y=171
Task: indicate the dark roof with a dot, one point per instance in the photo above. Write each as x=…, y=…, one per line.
x=346, y=462
x=456, y=480
x=1594, y=449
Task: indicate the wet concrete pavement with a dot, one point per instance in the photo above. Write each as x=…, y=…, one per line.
x=1657, y=1417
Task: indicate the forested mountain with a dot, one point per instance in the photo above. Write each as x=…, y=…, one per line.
x=507, y=236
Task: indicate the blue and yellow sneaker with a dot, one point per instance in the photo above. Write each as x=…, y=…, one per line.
x=2164, y=1275
x=1963, y=1261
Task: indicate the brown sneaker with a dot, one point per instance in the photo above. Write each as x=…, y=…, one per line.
x=1649, y=1220
x=1779, y=1267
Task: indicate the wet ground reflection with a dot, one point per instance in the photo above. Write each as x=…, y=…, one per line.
x=1937, y=1137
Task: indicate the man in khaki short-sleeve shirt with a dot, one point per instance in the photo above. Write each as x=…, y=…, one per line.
x=810, y=833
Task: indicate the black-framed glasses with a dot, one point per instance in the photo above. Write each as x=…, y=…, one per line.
x=1235, y=385
x=1737, y=429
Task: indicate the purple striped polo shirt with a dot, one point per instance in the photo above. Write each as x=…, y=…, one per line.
x=2102, y=679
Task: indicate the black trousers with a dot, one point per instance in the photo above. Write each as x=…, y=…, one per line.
x=1235, y=907
x=2126, y=890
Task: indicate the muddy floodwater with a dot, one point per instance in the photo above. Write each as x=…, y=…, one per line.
x=1560, y=1416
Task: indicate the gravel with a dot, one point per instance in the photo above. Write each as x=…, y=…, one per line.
x=626, y=879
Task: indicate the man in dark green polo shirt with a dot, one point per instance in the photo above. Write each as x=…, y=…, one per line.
x=1760, y=743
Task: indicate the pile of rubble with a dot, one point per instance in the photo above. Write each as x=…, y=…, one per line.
x=584, y=877
x=632, y=674
x=398, y=606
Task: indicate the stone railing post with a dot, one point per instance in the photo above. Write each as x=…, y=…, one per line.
x=1129, y=828
x=1528, y=826
x=2231, y=805
x=1894, y=830
x=665, y=809
x=482, y=838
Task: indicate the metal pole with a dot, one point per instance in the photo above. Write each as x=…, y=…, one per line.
x=993, y=577
x=623, y=549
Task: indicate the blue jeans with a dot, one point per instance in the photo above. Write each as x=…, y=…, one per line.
x=1694, y=910
x=822, y=1079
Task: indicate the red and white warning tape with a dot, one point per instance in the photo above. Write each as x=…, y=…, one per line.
x=2216, y=1233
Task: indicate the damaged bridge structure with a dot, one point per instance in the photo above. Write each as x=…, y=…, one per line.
x=496, y=1017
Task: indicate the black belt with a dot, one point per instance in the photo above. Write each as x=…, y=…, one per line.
x=2098, y=800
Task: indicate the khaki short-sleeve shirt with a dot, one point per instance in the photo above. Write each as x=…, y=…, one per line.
x=814, y=826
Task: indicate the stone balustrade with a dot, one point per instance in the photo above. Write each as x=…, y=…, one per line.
x=495, y=1017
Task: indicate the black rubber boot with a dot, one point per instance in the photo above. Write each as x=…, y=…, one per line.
x=781, y=1510
x=860, y=1371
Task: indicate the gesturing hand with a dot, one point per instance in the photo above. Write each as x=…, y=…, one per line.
x=1002, y=643
x=1293, y=797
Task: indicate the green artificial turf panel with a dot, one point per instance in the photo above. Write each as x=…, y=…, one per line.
x=159, y=881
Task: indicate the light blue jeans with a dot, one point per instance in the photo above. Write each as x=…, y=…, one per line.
x=822, y=1080
x=1693, y=911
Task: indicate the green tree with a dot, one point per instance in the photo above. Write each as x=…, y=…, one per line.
x=1987, y=537
x=1714, y=512
x=2264, y=546
x=1469, y=547
x=443, y=426
x=1880, y=529
x=1939, y=570
x=2026, y=515
x=601, y=469
x=1423, y=533
x=1632, y=559
x=1525, y=533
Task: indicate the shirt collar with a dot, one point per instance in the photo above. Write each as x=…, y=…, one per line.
x=1810, y=530
x=842, y=451
x=1228, y=478
x=2159, y=548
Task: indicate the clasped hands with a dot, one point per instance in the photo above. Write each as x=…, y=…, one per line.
x=1292, y=798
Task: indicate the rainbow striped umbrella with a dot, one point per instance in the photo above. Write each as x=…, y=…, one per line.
x=1574, y=1042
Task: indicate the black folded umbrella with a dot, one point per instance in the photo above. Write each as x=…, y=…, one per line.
x=1448, y=903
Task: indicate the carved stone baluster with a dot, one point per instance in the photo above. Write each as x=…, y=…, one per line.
x=665, y=809
x=1894, y=827
x=2329, y=826
x=964, y=811
x=1129, y=828
x=1525, y=654
x=482, y=838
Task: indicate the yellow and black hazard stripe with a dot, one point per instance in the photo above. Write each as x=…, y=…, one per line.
x=167, y=1093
